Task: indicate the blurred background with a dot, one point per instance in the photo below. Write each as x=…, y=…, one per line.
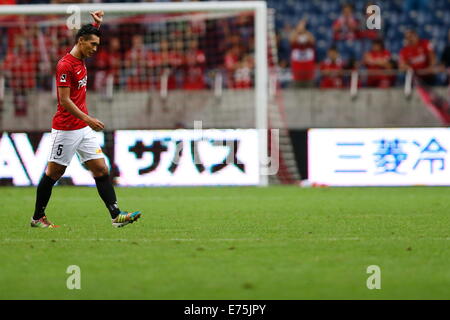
x=164, y=71
x=328, y=35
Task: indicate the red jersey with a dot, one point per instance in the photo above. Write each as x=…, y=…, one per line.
x=161, y=62
x=194, y=73
x=107, y=63
x=377, y=56
x=348, y=27
x=331, y=81
x=231, y=60
x=71, y=72
x=303, y=64
x=381, y=80
x=417, y=56
x=23, y=67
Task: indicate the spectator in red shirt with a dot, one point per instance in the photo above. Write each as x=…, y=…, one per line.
x=108, y=63
x=231, y=62
x=378, y=59
x=165, y=63
x=243, y=74
x=64, y=40
x=136, y=65
x=59, y=41
x=154, y=61
x=21, y=66
x=115, y=60
x=19, y=29
x=346, y=26
x=418, y=55
x=194, y=73
x=303, y=56
x=331, y=70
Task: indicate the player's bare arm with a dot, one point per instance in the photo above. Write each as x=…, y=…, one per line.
x=67, y=103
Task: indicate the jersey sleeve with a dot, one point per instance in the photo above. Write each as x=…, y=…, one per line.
x=63, y=75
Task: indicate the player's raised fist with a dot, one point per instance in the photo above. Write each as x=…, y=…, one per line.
x=97, y=16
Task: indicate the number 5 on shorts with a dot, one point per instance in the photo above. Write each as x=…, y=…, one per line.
x=59, y=150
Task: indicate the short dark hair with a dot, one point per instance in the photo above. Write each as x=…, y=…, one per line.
x=378, y=41
x=333, y=48
x=348, y=5
x=86, y=31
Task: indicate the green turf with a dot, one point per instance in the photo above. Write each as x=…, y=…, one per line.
x=230, y=243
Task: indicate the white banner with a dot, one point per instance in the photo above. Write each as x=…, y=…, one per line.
x=379, y=157
x=187, y=157
x=25, y=166
x=147, y=158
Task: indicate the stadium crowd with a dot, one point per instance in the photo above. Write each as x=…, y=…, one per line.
x=355, y=47
x=141, y=54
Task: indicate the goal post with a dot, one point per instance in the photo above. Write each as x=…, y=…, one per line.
x=218, y=10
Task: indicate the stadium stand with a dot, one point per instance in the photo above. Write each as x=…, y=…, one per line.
x=430, y=18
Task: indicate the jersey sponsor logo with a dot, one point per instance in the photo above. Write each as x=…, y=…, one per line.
x=418, y=59
x=302, y=54
x=63, y=78
x=82, y=82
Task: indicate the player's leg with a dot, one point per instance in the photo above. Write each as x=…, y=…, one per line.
x=52, y=174
x=104, y=185
x=106, y=191
x=63, y=148
x=91, y=155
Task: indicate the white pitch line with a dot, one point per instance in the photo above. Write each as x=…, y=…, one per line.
x=178, y=239
x=212, y=240
x=122, y=240
x=156, y=198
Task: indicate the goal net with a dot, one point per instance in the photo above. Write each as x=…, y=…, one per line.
x=159, y=66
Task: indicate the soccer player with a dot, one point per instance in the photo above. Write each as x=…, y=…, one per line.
x=72, y=131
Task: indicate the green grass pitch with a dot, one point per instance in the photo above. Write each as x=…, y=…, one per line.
x=278, y=242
